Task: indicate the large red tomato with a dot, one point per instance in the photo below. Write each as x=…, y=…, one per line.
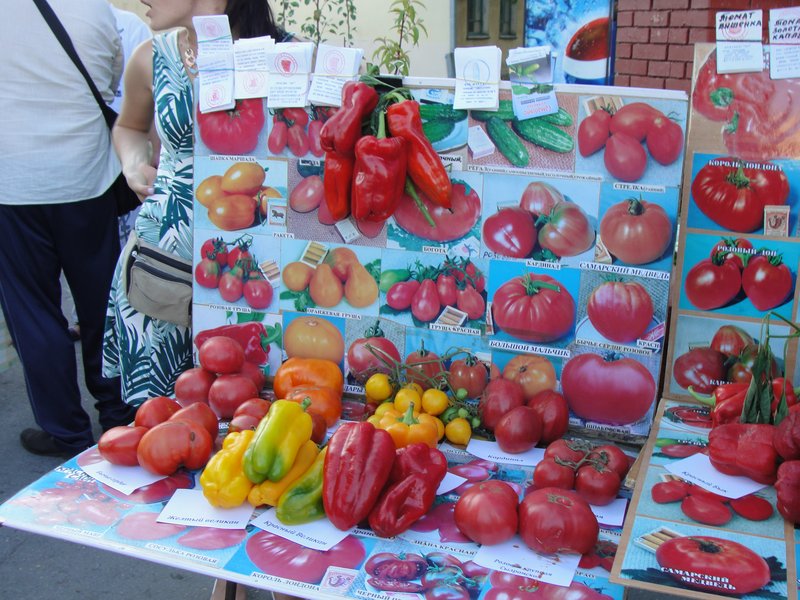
x=701, y=368
x=732, y=249
x=499, y=397
x=534, y=308
x=228, y=392
x=155, y=410
x=168, y=446
x=634, y=119
x=554, y=520
x=731, y=340
x=608, y=390
x=369, y=355
x=710, y=285
x=519, y=430
x=624, y=157
x=636, y=231
x=257, y=293
x=193, y=385
x=553, y=410
x=199, y=413
x=539, y=198
x=283, y=558
x=614, y=298
x=469, y=374
x=144, y=526
x=713, y=565
x=593, y=132
x=118, y=445
x=767, y=281
x=733, y=194
x=487, y=512
x=510, y=232
x=221, y=354
x=665, y=140
x=566, y=230
x=234, y=132
x=206, y=273
x=212, y=538
x=448, y=223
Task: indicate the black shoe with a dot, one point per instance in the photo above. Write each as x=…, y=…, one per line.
x=40, y=442
x=126, y=419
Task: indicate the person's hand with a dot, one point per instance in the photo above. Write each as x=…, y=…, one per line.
x=141, y=180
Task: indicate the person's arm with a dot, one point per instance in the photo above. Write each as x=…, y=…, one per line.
x=131, y=133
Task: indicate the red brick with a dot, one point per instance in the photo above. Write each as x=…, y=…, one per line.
x=701, y=3
x=651, y=18
x=678, y=84
x=623, y=51
x=633, y=34
x=681, y=53
x=670, y=4
x=647, y=82
x=658, y=68
x=732, y=4
x=630, y=67
x=678, y=35
x=677, y=70
x=650, y=51
x=692, y=18
x=701, y=35
x=659, y=35
x=624, y=19
x=622, y=80
x=633, y=5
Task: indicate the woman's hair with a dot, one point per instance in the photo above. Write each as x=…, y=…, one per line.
x=253, y=18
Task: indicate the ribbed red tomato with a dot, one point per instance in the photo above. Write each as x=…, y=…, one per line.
x=636, y=231
x=614, y=298
x=539, y=198
x=510, y=232
x=566, y=230
x=534, y=308
x=554, y=520
x=234, y=132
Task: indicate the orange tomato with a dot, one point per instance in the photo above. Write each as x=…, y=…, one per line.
x=325, y=401
x=297, y=275
x=230, y=213
x=533, y=372
x=297, y=372
x=313, y=337
x=243, y=178
x=209, y=190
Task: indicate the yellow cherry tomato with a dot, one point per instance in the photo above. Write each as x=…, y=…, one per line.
x=458, y=431
x=427, y=418
x=414, y=386
x=378, y=387
x=404, y=398
x=434, y=402
x=384, y=408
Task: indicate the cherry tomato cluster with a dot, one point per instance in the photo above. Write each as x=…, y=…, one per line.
x=294, y=129
x=707, y=507
x=622, y=133
x=595, y=473
x=234, y=273
x=735, y=267
x=426, y=291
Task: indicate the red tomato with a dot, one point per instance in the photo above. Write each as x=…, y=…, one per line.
x=471, y=302
x=401, y=294
x=519, y=430
x=709, y=285
x=144, y=526
x=240, y=256
x=425, y=304
x=728, y=249
x=296, y=115
x=510, y=232
x=278, y=137
x=313, y=138
x=636, y=231
x=752, y=507
x=258, y=293
x=534, y=308
x=665, y=140
x=624, y=157
x=634, y=119
x=614, y=458
x=365, y=354
x=230, y=213
x=550, y=474
x=422, y=367
x=713, y=565
x=733, y=194
x=701, y=368
x=602, y=555
x=499, y=397
x=514, y=587
x=539, y=198
x=669, y=491
x=215, y=249
x=614, y=298
x=155, y=410
x=446, y=286
x=228, y=392
x=199, y=413
x=447, y=591
x=234, y=132
x=554, y=413
x=212, y=538
x=731, y=340
x=230, y=287
x=553, y=520
x=254, y=372
x=712, y=96
x=118, y=445
x=469, y=374
x=566, y=230
x=193, y=385
x=220, y=354
x=596, y=484
x=248, y=414
x=593, y=132
x=307, y=195
x=298, y=140
x=706, y=510
x=285, y=559
x=487, y=512
x=566, y=450
x=173, y=444
x=388, y=565
x=206, y=273
x=767, y=281
x=449, y=223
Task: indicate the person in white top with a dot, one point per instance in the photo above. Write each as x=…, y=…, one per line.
x=57, y=212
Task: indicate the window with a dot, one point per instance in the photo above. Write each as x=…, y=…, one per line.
x=508, y=19
x=477, y=19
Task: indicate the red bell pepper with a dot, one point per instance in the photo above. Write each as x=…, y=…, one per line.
x=424, y=165
x=336, y=183
x=787, y=436
x=728, y=399
x=744, y=449
x=253, y=337
x=417, y=472
x=788, y=489
x=358, y=463
x=340, y=133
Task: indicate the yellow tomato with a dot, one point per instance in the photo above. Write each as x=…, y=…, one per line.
x=414, y=386
x=434, y=402
x=404, y=398
x=378, y=387
x=458, y=431
x=426, y=418
x=384, y=409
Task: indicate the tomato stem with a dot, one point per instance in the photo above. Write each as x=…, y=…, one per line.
x=412, y=191
x=737, y=177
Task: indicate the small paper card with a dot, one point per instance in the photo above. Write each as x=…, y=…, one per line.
x=611, y=515
x=776, y=219
x=333, y=68
x=216, y=81
x=250, y=63
x=739, y=25
x=784, y=26
x=289, y=66
x=784, y=61
x=123, y=479
x=740, y=57
x=213, y=34
x=515, y=557
x=491, y=451
x=449, y=483
x=697, y=469
x=531, y=65
x=319, y=535
x=190, y=507
x=477, y=77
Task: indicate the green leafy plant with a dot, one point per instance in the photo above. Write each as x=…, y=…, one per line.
x=392, y=53
x=330, y=19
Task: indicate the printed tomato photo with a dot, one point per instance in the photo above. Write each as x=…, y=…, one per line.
x=232, y=132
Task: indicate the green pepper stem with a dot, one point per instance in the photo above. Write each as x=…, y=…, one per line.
x=412, y=191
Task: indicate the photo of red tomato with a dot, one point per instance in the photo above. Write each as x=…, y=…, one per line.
x=767, y=281
x=636, y=231
x=710, y=284
x=624, y=157
x=593, y=132
x=510, y=232
x=232, y=132
x=614, y=298
x=447, y=224
x=566, y=230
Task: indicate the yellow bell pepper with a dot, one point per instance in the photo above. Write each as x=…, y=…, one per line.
x=268, y=492
x=223, y=480
x=410, y=428
x=276, y=442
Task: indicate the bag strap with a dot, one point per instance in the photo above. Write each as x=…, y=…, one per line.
x=63, y=37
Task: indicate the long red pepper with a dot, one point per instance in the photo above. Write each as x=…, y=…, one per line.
x=728, y=399
x=744, y=449
x=340, y=133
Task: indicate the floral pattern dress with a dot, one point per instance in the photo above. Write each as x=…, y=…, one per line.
x=148, y=354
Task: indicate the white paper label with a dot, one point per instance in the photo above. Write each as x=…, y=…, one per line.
x=190, y=507
x=515, y=557
x=123, y=479
x=319, y=535
x=491, y=451
x=698, y=469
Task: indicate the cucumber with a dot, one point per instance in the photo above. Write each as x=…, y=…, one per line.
x=543, y=134
x=441, y=112
x=562, y=118
x=437, y=130
x=509, y=144
x=504, y=112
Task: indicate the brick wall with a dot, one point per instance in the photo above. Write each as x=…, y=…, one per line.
x=655, y=38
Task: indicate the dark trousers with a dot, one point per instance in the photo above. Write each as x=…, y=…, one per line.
x=37, y=242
